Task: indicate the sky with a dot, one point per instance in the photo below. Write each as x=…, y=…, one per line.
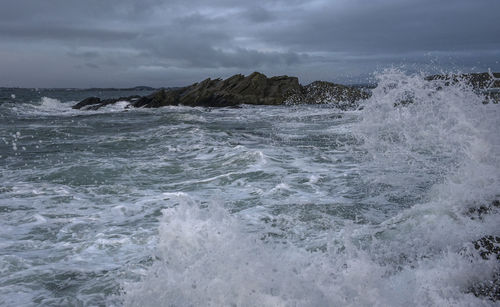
x=124, y=43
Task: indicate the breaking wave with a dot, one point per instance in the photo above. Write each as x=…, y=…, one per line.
x=427, y=156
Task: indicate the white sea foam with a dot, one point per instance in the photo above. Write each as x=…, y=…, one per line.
x=444, y=142
x=55, y=107
x=258, y=206
x=115, y=107
x=45, y=106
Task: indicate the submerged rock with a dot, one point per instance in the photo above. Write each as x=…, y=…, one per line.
x=489, y=289
x=481, y=211
x=254, y=89
x=488, y=246
x=489, y=249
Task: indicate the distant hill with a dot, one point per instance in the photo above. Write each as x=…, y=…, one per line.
x=136, y=88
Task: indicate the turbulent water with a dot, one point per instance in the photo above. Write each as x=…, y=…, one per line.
x=251, y=206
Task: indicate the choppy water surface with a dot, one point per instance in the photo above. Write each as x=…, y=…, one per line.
x=251, y=206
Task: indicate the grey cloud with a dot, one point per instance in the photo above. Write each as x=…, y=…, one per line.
x=92, y=65
x=84, y=54
x=259, y=14
x=201, y=54
x=157, y=40
x=246, y=58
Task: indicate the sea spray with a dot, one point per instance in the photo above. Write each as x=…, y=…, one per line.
x=304, y=205
x=429, y=150
x=444, y=136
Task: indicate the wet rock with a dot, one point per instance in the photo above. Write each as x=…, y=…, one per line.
x=94, y=103
x=320, y=92
x=476, y=80
x=86, y=102
x=491, y=97
x=481, y=211
x=254, y=89
x=488, y=246
x=488, y=289
x=479, y=81
x=489, y=249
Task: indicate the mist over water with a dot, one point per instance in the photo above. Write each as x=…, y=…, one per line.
x=256, y=206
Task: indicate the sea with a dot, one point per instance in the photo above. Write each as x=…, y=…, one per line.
x=297, y=205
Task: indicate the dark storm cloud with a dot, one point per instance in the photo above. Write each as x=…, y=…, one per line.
x=118, y=42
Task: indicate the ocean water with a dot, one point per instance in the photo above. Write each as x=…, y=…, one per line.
x=252, y=206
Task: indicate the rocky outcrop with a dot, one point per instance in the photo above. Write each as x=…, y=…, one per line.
x=476, y=80
x=254, y=89
x=87, y=102
x=320, y=92
x=482, y=82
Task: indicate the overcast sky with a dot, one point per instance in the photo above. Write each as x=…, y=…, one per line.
x=121, y=43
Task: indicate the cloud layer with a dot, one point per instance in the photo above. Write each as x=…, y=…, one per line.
x=62, y=43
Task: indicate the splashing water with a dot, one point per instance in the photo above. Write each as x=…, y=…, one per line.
x=257, y=206
x=428, y=160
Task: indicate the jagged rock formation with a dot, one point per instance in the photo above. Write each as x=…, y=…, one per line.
x=255, y=89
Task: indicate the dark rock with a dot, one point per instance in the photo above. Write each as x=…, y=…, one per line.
x=476, y=80
x=488, y=247
x=97, y=103
x=488, y=289
x=255, y=89
x=481, y=82
x=320, y=92
x=86, y=102
x=479, y=212
x=491, y=97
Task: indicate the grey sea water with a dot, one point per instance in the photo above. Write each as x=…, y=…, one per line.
x=251, y=206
